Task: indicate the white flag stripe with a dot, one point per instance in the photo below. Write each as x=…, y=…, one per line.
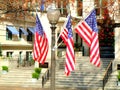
x=86, y=30
x=84, y=36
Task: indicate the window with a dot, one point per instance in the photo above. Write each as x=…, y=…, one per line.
x=11, y=30
x=8, y=35
x=20, y=56
x=79, y=7
x=22, y=31
x=20, y=34
x=28, y=56
x=78, y=40
x=30, y=33
x=62, y=5
x=9, y=54
x=98, y=4
x=29, y=36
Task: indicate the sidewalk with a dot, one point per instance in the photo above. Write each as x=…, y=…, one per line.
x=29, y=88
x=18, y=88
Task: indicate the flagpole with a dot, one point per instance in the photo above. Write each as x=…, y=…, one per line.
x=53, y=61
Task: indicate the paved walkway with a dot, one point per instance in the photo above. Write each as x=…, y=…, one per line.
x=27, y=88
x=18, y=88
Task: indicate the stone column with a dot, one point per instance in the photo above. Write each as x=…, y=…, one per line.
x=73, y=8
x=117, y=47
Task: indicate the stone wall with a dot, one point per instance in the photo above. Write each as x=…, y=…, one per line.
x=117, y=45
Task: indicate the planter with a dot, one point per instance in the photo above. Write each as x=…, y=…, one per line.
x=4, y=72
x=78, y=54
x=4, y=69
x=34, y=79
x=118, y=83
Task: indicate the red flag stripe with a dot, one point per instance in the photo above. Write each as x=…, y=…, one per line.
x=71, y=51
x=64, y=35
x=87, y=29
x=86, y=34
x=81, y=29
x=80, y=33
x=67, y=72
x=94, y=45
x=70, y=63
x=44, y=52
x=36, y=47
x=95, y=60
x=94, y=51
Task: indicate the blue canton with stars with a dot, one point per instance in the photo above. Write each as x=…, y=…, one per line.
x=68, y=26
x=39, y=27
x=91, y=21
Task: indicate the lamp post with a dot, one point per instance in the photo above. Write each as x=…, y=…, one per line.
x=53, y=16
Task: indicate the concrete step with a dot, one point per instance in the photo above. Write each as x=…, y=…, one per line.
x=85, y=75
x=75, y=86
x=112, y=82
x=80, y=78
x=19, y=77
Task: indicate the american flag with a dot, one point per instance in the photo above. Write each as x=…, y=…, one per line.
x=88, y=31
x=68, y=40
x=40, y=49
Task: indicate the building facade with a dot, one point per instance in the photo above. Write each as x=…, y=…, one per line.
x=17, y=36
x=16, y=39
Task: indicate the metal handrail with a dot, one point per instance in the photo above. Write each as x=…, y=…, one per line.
x=107, y=74
x=45, y=77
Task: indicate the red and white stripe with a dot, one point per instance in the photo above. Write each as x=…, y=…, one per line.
x=84, y=31
x=70, y=59
x=67, y=37
x=64, y=35
x=40, y=48
x=94, y=50
x=36, y=48
x=91, y=39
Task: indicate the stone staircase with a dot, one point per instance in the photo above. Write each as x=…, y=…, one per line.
x=85, y=77
x=112, y=83
x=21, y=77
x=107, y=52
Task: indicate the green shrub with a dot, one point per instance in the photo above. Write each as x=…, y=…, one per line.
x=35, y=75
x=38, y=70
x=118, y=76
x=5, y=68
